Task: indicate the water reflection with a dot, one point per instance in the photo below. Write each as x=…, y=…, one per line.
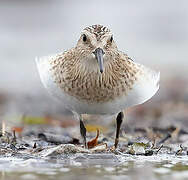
x=128, y=167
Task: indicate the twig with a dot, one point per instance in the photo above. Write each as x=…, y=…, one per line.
x=14, y=136
x=165, y=138
x=153, y=143
x=35, y=145
x=179, y=152
x=3, y=128
x=159, y=149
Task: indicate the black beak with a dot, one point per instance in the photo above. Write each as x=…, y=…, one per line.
x=99, y=56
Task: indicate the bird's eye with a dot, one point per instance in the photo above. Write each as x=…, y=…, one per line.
x=111, y=39
x=84, y=38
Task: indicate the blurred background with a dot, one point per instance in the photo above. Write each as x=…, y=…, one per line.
x=154, y=33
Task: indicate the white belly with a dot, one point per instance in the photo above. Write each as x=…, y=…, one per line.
x=81, y=107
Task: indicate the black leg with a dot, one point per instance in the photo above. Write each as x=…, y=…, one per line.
x=83, y=132
x=119, y=121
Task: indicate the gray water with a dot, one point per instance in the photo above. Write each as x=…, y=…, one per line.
x=89, y=167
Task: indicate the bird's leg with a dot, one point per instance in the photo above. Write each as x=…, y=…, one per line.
x=83, y=131
x=119, y=120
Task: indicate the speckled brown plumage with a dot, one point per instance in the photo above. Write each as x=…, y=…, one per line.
x=98, y=30
x=95, y=77
x=92, y=86
x=74, y=76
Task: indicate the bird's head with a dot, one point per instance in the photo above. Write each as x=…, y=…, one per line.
x=97, y=46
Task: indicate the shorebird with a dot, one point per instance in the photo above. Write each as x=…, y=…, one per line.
x=95, y=77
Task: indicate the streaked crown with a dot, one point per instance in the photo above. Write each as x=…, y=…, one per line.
x=98, y=30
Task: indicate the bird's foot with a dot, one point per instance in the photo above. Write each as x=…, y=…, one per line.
x=116, y=142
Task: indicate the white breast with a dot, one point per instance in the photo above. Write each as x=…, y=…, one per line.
x=143, y=89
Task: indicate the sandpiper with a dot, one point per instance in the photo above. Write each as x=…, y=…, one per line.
x=95, y=77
